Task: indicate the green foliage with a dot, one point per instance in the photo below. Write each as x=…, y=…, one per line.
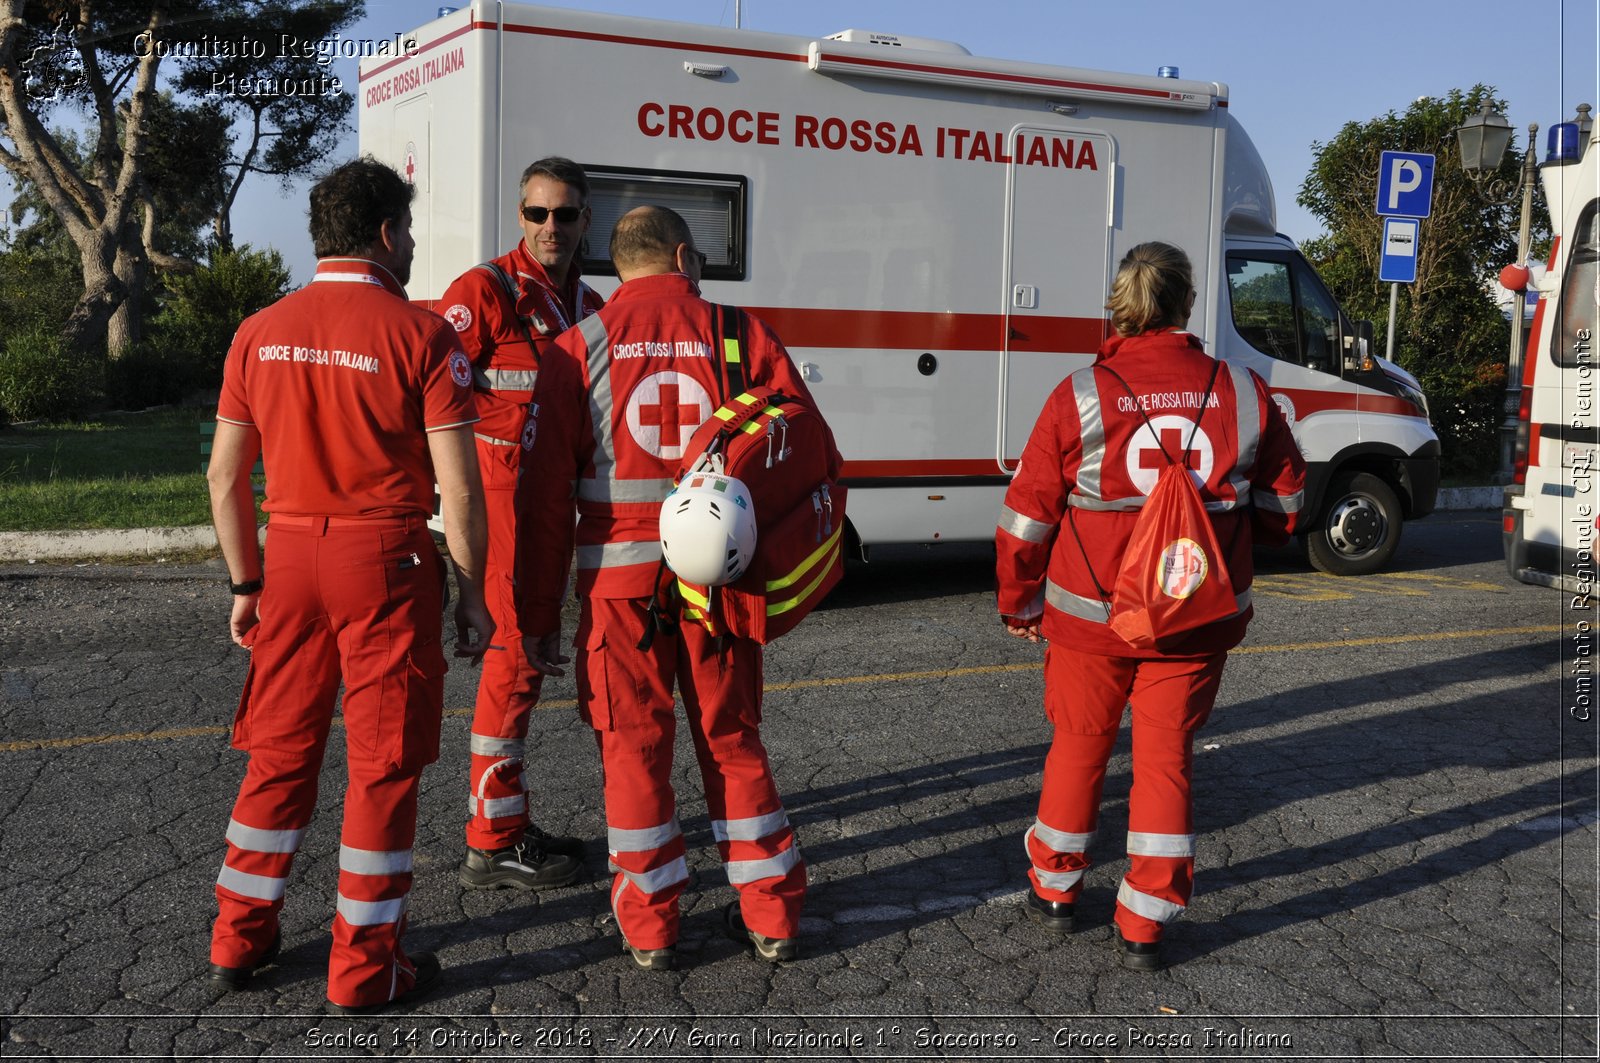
x=38, y=286
x=1448, y=331
x=189, y=338
x=41, y=378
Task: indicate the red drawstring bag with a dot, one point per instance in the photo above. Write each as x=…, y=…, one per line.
x=1174, y=577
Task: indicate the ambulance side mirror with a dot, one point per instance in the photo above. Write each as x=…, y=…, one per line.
x=1358, y=349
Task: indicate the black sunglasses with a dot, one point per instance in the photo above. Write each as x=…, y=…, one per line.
x=564, y=215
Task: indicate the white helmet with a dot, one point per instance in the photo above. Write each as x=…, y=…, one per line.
x=708, y=529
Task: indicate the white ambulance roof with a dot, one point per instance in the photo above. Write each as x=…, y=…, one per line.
x=898, y=40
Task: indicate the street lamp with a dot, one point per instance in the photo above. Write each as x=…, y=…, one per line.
x=1483, y=139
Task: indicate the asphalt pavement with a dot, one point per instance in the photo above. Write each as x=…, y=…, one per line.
x=1396, y=800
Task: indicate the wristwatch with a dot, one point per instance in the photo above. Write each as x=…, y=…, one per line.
x=249, y=586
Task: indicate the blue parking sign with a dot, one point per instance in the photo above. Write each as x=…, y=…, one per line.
x=1398, y=263
x=1405, y=184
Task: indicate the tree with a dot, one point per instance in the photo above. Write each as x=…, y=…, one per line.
x=153, y=166
x=280, y=98
x=86, y=52
x=1448, y=329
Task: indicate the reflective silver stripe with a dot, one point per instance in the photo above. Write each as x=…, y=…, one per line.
x=616, y=555
x=258, y=840
x=1077, y=501
x=506, y=379
x=1279, y=503
x=1060, y=841
x=592, y=490
x=1244, y=402
x=494, y=441
x=1058, y=880
x=1098, y=612
x=371, y=913
x=593, y=330
x=1091, y=432
x=374, y=861
x=643, y=839
x=261, y=887
x=751, y=829
x=498, y=807
x=490, y=746
x=1153, y=908
x=658, y=879
x=741, y=872
x=1025, y=528
x=1143, y=844
x=1092, y=609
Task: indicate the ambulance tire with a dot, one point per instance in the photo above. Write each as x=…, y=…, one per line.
x=1358, y=530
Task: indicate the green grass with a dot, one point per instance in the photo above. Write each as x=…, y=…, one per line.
x=126, y=470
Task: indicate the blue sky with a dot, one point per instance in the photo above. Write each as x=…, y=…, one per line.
x=1296, y=71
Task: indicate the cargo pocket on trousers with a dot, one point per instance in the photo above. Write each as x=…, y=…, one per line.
x=594, y=692
x=241, y=715
x=424, y=713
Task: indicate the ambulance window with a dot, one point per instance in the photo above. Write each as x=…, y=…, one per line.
x=1319, y=323
x=1574, y=340
x=1263, y=306
x=712, y=204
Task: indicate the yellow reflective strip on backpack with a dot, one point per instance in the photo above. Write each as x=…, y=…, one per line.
x=754, y=428
x=692, y=596
x=784, y=607
x=805, y=566
x=724, y=414
x=730, y=350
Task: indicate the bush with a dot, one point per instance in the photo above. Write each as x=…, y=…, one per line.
x=41, y=379
x=203, y=310
x=153, y=374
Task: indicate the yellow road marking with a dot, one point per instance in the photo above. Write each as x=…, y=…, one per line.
x=835, y=681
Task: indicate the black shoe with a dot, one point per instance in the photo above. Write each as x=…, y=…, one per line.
x=559, y=844
x=652, y=959
x=1055, y=916
x=524, y=866
x=1140, y=955
x=773, y=950
x=428, y=970
x=236, y=977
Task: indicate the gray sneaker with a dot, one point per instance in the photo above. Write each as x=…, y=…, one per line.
x=773, y=950
x=524, y=866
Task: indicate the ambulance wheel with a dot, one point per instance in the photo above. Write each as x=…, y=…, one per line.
x=1358, y=529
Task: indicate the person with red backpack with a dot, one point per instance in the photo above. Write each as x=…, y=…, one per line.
x=506, y=312
x=626, y=391
x=1072, y=526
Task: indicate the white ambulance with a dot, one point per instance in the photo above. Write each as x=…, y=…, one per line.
x=931, y=233
x=1551, y=503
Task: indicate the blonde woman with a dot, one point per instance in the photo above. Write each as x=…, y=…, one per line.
x=1089, y=465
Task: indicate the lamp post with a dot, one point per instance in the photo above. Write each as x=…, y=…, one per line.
x=1483, y=139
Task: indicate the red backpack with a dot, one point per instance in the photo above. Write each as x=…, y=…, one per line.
x=781, y=449
x=1174, y=577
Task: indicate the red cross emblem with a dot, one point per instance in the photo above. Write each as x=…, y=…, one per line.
x=1145, y=459
x=411, y=163
x=664, y=411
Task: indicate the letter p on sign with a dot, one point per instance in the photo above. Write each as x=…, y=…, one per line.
x=1405, y=184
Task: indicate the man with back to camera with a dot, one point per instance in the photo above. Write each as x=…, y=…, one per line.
x=506, y=335
x=623, y=392
x=358, y=403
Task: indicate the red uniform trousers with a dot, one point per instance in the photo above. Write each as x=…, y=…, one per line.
x=626, y=695
x=1084, y=695
x=508, y=688
x=362, y=600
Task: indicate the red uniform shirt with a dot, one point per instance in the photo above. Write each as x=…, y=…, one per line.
x=504, y=367
x=1091, y=452
x=341, y=379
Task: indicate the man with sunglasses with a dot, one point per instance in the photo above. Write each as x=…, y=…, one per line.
x=506, y=312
